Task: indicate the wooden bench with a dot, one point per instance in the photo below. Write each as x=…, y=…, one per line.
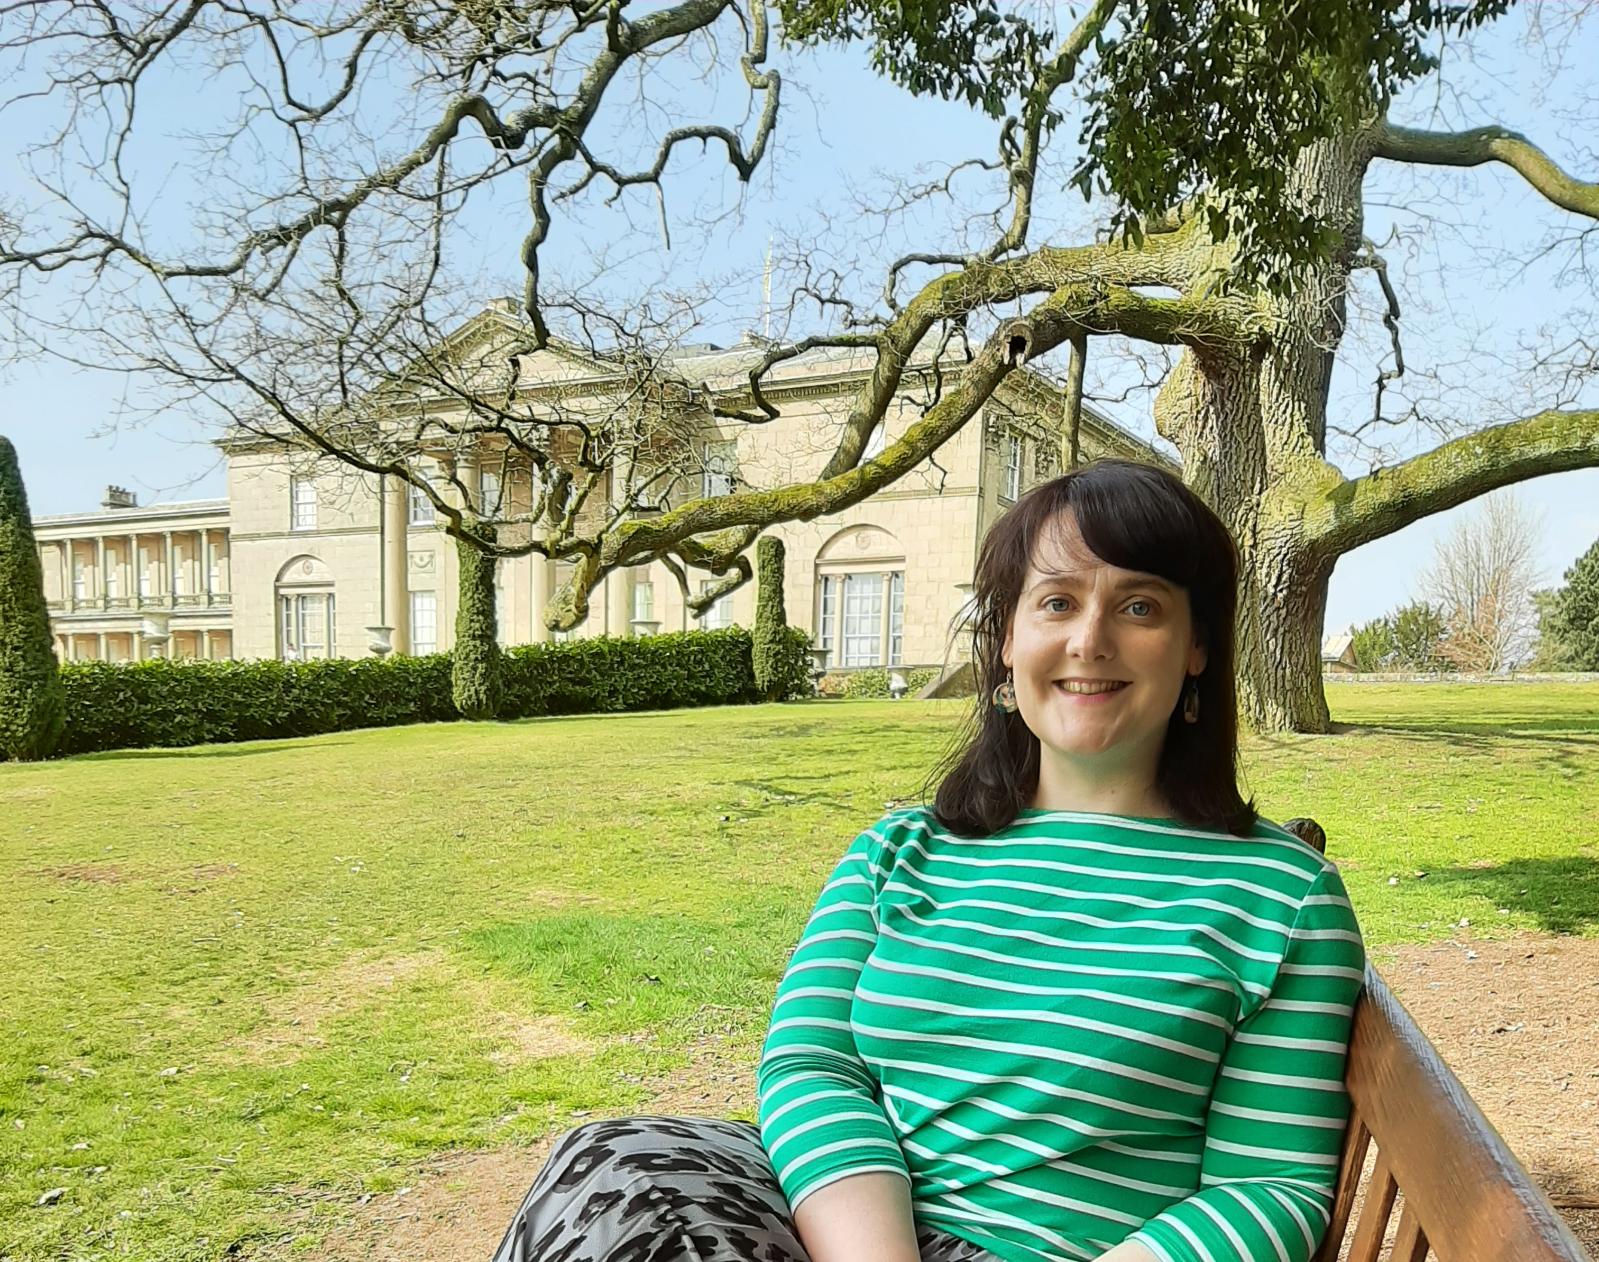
x=1465, y=1196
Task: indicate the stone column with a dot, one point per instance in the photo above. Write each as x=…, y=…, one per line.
x=138, y=646
x=396, y=610
x=100, y=638
x=101, y=588
x=205, y=567
x=619, y=602
x=205, y=645
x=66, y=573
x=541, y=585
x=171, y=572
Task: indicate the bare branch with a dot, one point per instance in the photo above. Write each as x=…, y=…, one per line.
x=1491, y=144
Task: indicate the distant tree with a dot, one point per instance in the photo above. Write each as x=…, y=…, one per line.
x=1482, y=579
x=1568, y=618
x=1418, y=636
x=1408, y=638
x=32, y=701
x=1374, y=645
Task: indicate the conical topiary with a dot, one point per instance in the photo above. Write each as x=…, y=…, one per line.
x=32, y=700
x=771, y=618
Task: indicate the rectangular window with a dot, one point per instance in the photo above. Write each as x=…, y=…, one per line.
x=1011, y=445
x=644, y=602
x=216, y=570
x=863, y=620
x=421, y=507
x=721, y=462
x=876, y=441
x=718, y=615
x=827, y=617
x=144, y=571
x=305, y=626
x=424, y=623
x=113, y=577
x=896, y=618
x=313, y=611
x=488, y=492
x=80, y=579
x=302, y=498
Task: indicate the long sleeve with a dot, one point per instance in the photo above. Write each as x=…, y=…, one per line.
x=820, y=1107
x=1277, y=1115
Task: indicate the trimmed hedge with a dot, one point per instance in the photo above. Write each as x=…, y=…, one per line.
x=140, y=705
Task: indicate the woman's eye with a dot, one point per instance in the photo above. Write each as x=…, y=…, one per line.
x=1053, y=601
x=1140, y=608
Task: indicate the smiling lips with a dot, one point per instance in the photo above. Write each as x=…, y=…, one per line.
x=1090, y=687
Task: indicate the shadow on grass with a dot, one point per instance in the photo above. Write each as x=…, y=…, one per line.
x=1570, y=748
x=1504, y=727
x=239, y=749
x=1562, y=894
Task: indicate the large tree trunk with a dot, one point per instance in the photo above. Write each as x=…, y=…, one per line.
x=1251, y=426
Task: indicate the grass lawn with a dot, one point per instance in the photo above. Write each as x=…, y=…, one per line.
x=239, y=974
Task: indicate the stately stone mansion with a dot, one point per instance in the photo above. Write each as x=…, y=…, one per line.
x=299, y=560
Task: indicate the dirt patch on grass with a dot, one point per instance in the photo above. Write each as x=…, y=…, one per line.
x=1517, y=1020
x=90, y=873
x=297, y=1020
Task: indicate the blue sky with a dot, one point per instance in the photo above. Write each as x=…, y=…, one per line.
x=847, y=135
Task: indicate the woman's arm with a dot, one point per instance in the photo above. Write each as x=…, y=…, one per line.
x=860, y=1218
x=1128, y=1251
x=821, y=1116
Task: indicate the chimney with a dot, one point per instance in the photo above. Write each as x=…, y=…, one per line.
x=119, y=497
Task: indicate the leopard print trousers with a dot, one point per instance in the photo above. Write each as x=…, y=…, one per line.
x=669, y=1189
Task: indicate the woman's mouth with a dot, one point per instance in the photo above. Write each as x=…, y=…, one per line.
x=1090, y=687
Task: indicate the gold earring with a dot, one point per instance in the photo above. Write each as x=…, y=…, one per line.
x=1191, y=700
x=1005, y=696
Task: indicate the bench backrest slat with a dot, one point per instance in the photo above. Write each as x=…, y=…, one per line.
x=1466, y=1191
x=1465, y=1196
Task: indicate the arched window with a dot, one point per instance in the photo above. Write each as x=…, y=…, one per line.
x=860, y=598
x=305, y=610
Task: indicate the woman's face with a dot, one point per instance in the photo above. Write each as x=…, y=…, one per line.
x=1100, y=654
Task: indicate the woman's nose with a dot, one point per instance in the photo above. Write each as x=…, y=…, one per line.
x=1091, y=636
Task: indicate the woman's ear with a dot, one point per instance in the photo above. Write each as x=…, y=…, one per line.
x=1005, y=649
x=1197, y=658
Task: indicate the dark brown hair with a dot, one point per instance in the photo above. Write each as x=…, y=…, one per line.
x=1137, y=517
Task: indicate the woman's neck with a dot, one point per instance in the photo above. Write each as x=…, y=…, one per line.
x=1069, y=784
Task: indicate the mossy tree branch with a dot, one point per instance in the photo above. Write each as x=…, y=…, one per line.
x=1347, y=514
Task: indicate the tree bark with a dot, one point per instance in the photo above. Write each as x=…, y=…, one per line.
x=1251, y=426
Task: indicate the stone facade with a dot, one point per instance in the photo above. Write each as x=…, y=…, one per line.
x=306, y=557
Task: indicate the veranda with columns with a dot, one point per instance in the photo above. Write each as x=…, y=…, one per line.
x=128, y=583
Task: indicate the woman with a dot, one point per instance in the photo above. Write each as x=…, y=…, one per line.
x=1086, y=1005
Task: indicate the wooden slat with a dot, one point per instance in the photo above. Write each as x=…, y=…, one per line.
x=1373, y=1224
x=1410, y=1245
x=1471, y=1196
x=1357, y=1140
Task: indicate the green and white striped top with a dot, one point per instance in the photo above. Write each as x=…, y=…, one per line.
x=1082, y=1029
